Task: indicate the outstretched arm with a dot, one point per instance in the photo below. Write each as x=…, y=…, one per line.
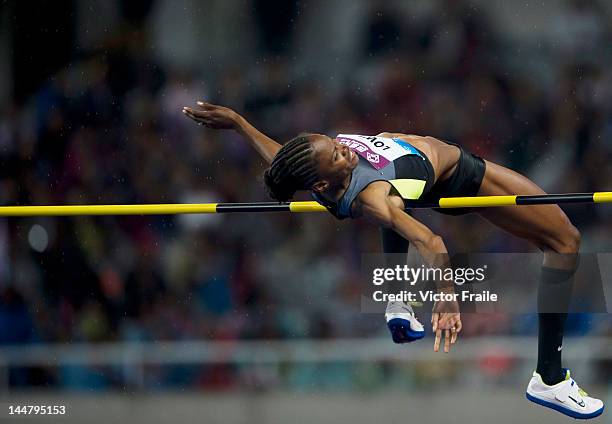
x=220, y=117
x=378, y=208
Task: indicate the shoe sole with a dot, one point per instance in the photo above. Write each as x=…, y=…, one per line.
x=563, y=410
x=401, y=332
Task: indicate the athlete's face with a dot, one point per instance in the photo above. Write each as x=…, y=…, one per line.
x=335, y=161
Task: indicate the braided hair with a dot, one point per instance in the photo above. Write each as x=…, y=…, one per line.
x=292, y=169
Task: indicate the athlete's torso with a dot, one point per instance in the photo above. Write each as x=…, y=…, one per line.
x=405, y=167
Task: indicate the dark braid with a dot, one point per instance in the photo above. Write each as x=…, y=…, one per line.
x=292, y=169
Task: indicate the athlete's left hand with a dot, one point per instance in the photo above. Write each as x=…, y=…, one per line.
x=446, y=320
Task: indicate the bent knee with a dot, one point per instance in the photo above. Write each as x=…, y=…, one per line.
x=567, y=240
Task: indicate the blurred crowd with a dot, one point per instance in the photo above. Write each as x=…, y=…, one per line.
x=107, y=128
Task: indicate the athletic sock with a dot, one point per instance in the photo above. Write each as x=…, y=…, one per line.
x=554, y=295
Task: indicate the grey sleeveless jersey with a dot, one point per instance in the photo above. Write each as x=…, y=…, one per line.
x=410, y=174
x=363, y=175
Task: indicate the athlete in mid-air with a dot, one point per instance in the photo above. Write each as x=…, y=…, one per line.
x=371, y=177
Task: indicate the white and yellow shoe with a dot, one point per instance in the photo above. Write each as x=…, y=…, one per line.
x=565, y=397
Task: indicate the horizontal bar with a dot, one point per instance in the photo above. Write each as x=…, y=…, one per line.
x=253, y=207
x=477, y=202
x=548, y=199
x=515, y=200
x=603, y=197
x=295, y=207
x=79, y=210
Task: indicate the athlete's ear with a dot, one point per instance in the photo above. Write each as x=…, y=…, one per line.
x=320, y=186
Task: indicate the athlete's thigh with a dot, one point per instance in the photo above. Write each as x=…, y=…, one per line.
x=543, y=225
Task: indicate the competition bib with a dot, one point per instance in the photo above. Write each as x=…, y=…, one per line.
x=378, y=151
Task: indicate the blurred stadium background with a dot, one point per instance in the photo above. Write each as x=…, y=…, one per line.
x=256, y=318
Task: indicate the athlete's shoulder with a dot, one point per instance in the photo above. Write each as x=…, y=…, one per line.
x=375, y=193
x=374, y=203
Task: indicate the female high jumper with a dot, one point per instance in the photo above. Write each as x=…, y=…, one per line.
x=370, y=177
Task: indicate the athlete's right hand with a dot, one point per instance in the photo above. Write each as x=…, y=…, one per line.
x=213, y=116
x=446, y=320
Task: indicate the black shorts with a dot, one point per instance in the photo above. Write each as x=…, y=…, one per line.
x=465, y=181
